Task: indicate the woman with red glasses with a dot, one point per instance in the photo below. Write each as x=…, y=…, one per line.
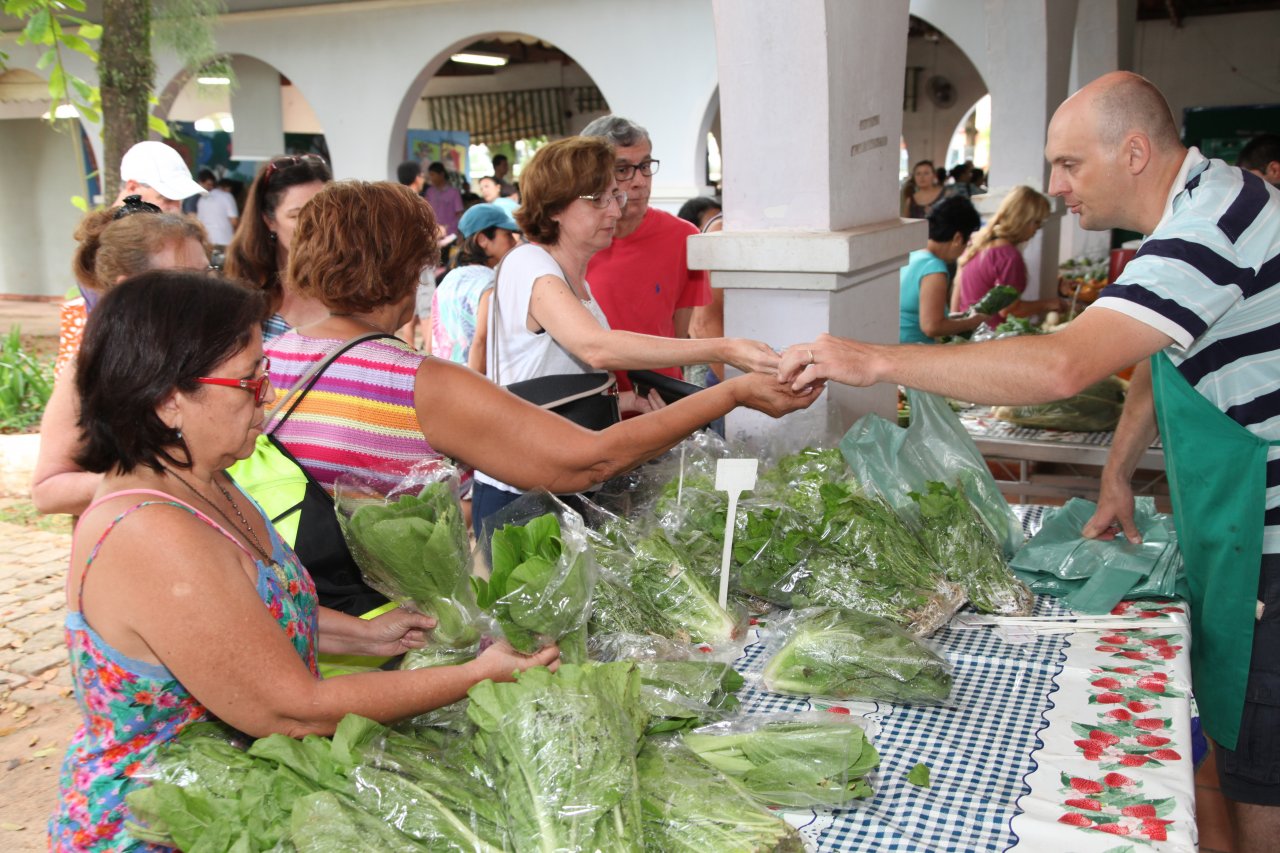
x=183, y=603
x=259, y=251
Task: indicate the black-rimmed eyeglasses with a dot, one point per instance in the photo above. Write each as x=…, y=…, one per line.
x=627, y=171
x=600, y=201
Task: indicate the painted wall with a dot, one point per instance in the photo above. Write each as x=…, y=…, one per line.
x=928, y=129
x=37, y=220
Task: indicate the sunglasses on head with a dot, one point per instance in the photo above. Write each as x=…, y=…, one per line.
x=281, y=163
x=133, y=204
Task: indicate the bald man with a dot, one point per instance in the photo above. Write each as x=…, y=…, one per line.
x=1199, y=310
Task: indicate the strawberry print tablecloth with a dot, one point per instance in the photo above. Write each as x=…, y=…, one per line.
x=1067, y=742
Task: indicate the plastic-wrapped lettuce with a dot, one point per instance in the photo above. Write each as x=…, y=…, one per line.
x=682, y=694
x=690, y=807
x=562, y=749
x=1095, y=409
x=969, y=552
x=412, y=546
x=791, y=760
x=872, y=562
x=843, y=654
x=541, y=579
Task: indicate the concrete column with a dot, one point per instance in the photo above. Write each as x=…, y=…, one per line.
x=1028, y=60
x=812, y=238
x=257, y=109
x=1103, y=43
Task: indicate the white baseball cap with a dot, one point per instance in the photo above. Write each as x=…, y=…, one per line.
x=159, y=167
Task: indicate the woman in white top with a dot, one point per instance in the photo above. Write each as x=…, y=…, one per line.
x=542, y=320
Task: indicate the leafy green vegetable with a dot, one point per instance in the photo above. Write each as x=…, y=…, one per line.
x=919, y=776
x=538, y=590
x=326, y=823
x=680, y=694
x=1095, y=409
x=996, y=299
x=969, y=552
x=690, y=807
x=790, y=761
x=417, y=549
x=843, y=654
x=562, y=748
x=872, y=562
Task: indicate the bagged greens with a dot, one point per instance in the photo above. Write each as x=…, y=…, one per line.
x=685, y=693
x=996, y=299
x=967, y=550
x=790, y=760
x=390, y=790
x=690, y=807
x=843, y=654
x=412, y=546
x=1095, y=409
x=562, y=749
x=540, y=582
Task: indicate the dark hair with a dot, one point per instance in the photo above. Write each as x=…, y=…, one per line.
x=206, y=175
x=1260, y=151
x=560, y=172
x=359, y=246
x=408, y=172
x=955, y=215
x=499, y=158
x=251, y=256
x=437, y=167
x=470, y=252
x=150, y=336
x=691, y=211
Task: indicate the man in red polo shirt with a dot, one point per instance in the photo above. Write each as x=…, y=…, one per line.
x=642, y=281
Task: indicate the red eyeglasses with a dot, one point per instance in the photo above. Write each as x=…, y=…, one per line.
x=281, y=163
x=259, y=387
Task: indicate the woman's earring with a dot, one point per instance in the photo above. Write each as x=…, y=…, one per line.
x=273, y=236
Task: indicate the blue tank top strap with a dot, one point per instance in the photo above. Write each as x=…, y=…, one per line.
x=168, y=501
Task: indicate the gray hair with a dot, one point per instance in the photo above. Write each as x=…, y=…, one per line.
x=621, y=132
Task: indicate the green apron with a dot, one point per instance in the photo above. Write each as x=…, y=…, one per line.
x=1217, y=478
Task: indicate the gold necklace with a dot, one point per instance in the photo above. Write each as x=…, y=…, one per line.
x=253, y=537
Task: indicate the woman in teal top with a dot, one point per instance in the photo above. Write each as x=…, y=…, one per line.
x=924, y=281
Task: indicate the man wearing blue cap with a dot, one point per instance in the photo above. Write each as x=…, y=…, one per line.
x=488, y=232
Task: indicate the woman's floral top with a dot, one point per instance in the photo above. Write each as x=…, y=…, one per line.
x=131, y=707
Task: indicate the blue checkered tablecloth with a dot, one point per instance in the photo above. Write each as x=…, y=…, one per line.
x=979, y=748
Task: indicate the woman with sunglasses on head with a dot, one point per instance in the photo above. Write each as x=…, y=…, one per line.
x=380, y=406
x=183, y=603
x=114, y=244
x=542, y=319
x=259, y=251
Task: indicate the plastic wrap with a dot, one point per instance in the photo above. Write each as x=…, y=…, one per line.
x=872, y=562
x=1095, y=409
x=690, y=807
x=562, y=750
x=666, y=590
x=842, y=654
x=805, y=760
x=411, y=544
x=967, y=550
x=681, y=694
x=540, y=583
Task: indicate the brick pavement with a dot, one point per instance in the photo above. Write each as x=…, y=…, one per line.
x=33, y=653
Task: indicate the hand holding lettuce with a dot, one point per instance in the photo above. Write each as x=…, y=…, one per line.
x=412, y=546
x=540, y=580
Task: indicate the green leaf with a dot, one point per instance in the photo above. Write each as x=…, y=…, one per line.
x=89, y=114
x=39, y=28
x=159, y=126
x=79, y=203
x=79, y=45
x=919, y=776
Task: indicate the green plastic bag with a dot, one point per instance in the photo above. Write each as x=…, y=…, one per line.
x=1093, y=575
x=894, y=462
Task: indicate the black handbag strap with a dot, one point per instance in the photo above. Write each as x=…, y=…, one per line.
x=294, y=395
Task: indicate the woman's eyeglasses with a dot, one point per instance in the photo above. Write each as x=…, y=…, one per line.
x=259, y=387
x=627, y=171
x=288, y=160
x=600, y=201
x=133, y=204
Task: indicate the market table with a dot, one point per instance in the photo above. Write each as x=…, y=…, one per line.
x=1000, y=440
x=1074, y=742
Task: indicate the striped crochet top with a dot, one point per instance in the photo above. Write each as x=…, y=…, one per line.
x=359, y=415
